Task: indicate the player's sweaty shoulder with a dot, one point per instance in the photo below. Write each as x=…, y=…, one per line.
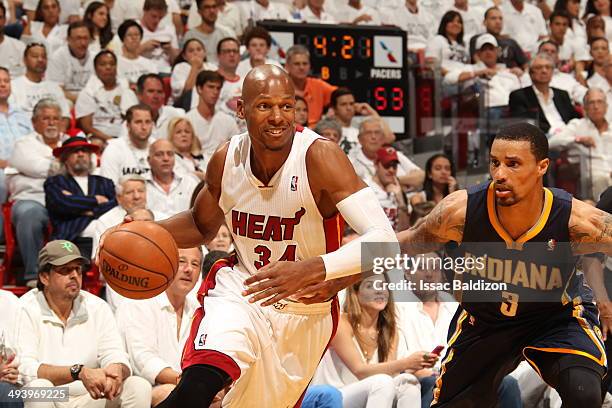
x=214, y=171
x=330, y=170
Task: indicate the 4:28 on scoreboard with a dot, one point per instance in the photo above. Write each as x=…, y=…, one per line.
x=371, y=61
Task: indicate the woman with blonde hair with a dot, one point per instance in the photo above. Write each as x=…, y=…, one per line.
x=368, y=360
x=187, y=147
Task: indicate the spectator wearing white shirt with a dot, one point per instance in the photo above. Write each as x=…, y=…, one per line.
x=599, y=52
x=601, y=9
x=69, y=337
x=230, y=16
x=33, y=86
x=97, y=18
x=103, y=101
x=128, y=155
x=212, y=126
x=315, y=12
x=134, y=10
x=472, y=20
x=155, y=330
x=130, y=64
x=167, y=192
x=46, y=27
x=345, y=108
x=525, y=23
x=355, y=12
x=363, y=157
x=10, y=48
x=268, y=10
x=590, y=139
x=569, y=51
x=605, y=84
x=413, y=18
x=228, y=51
x=150, y=91
x=29, y=166
x=189, y=158
x=189, y=63
x=258, y=42
x=72, y=65
x=69, y=10
x=131, y=195
x=577, y=29
x=14, y=124
x=447, y=49
x=388, y=190
x=560, y=80
x=159, y=42
x=209, y=31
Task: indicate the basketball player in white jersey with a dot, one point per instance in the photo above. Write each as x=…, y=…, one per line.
x=281, y=189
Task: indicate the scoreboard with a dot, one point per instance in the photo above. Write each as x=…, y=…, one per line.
x=371, y=61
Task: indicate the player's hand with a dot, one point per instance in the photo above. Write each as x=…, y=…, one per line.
x=279, y=280
x=127, y=218
x=94, y=380
x=317, y=293
x=605, y=317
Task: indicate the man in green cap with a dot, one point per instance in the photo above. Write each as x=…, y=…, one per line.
x=69, y=337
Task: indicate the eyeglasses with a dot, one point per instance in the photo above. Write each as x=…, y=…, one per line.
x=67, y=270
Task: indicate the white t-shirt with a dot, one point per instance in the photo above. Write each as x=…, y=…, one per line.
x=219, y=129
x=180, y=73
x=121, y=157
x=9, y=304
x=274, y=11
x=83, y=182
x=420, y=26
x=132, y=69
x=388, y=201
x=525, y=27
x=67, y=8
x=12, y=56
x=164, y=33
x=349, y=139
x=449, y=55
x=25, y=94
x=133, y=9
x=107, y=107
x=68, y=71
x=308, y=16
x=54, y=39
x=230, y=92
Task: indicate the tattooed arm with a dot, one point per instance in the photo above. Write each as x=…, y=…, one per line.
x=590, y=229
x=445, y=223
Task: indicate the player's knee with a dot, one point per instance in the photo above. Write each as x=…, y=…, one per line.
x=580, y=387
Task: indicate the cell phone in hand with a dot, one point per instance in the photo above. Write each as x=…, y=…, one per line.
x=437, y=350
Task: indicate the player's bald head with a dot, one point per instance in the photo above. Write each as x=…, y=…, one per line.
x=266, y=79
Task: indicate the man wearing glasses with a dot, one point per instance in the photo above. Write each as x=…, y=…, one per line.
x=69, y=337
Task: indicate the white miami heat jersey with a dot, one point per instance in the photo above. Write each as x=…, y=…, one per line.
x=277, y=221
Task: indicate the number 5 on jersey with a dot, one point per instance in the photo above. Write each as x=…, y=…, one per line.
x=265, y=253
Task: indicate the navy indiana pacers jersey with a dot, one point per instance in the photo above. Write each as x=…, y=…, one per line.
x=538, y=268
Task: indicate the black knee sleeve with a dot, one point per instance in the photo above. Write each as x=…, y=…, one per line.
x=580, y=387
x=198, y=386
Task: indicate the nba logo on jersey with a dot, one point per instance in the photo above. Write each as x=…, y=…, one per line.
x=202, y=340
x=551, y=244
x=294, y=180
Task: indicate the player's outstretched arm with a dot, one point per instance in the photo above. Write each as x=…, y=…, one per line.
x=336, y=188
x=200, y=224
x=590, y=229
x=443, y=224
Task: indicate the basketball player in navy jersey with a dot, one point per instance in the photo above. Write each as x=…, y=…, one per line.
x=530, y=237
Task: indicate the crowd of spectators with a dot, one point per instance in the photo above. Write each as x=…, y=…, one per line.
x=114, y=107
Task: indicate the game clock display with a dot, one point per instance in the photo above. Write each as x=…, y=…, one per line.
x=371, y=61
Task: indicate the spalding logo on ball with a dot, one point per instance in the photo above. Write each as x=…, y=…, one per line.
x=139, y=259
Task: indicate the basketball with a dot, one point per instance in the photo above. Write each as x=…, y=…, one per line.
x=139, y=259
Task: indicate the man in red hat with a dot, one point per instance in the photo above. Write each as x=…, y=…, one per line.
x=387, y=187
x=76, y=197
